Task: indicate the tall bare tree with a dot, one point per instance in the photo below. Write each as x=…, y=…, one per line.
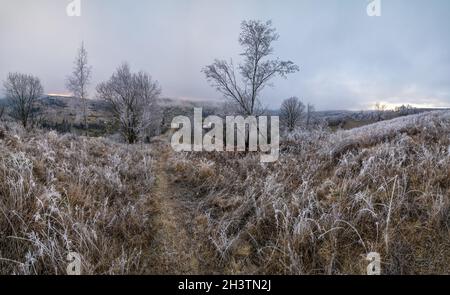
x=132, y=97
x=292, y=112
x=256, y=71
x=22, y=91
x=78, y=82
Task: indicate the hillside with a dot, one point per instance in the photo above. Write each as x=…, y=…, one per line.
x=329, y=200
x=353, y=119
x=64, y=114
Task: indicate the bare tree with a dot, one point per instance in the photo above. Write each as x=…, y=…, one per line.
x=132, y=98
x=380, y=109
x=80, y=79
x=405, y=110
x=2, y=112
x=22, y=91
x=256, y=39
x=292, y=113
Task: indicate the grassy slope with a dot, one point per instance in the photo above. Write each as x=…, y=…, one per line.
x=328, y=201
x=331, y=199
x=67, y=193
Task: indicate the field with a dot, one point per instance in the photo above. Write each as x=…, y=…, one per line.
x=331, y=198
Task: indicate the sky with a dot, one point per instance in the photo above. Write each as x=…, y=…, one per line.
x=347, y=59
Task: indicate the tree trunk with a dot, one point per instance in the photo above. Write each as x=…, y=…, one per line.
x=85, y=117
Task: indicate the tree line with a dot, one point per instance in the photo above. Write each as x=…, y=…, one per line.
x=132, y=96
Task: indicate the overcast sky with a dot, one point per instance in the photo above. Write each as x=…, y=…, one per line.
x=348, y=60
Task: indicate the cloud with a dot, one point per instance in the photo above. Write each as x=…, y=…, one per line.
x=348, y=60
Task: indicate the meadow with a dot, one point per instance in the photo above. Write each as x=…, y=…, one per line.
x=330, y=199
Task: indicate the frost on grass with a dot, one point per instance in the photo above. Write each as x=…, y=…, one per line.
x=61, y=194
x=331, y=199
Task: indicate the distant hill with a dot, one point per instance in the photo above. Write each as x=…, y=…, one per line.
x=71, y=108
x=354, y=119
x=64, y=114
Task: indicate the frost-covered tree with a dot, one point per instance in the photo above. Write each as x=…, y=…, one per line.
x=132, y=97
x=22, y=91
x=256, y=71
x=292, y=112
x=78, y=82
x=405, y=110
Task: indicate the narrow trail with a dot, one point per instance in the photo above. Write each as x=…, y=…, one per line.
x=174, y=250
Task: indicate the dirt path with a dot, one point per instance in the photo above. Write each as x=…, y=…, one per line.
x=174, y=251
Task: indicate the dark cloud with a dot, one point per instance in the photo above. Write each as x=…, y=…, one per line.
x=348, y=60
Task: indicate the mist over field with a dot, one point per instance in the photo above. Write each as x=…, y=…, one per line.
x=224, y=137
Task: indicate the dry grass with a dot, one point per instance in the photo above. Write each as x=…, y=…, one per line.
x=60, y=194
x=330, y=200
